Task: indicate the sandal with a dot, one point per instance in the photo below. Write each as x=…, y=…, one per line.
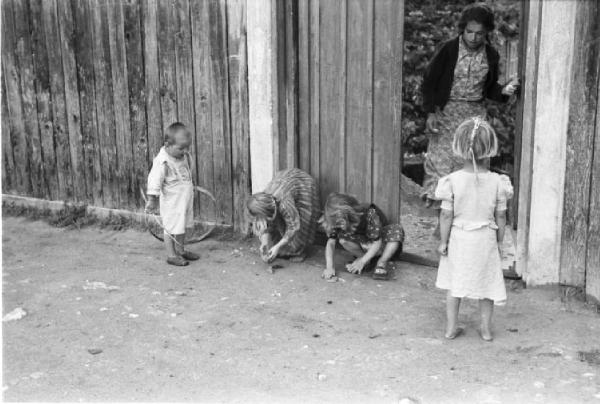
x=190, y=256
x=177, y=261
x=381, y=272
x=457, y=333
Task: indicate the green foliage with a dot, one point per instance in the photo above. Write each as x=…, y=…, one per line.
x=427, y=24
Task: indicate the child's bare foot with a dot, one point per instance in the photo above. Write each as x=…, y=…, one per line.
x=190, y=256
x=486, y=334
x=452, y=334
x=177, y=261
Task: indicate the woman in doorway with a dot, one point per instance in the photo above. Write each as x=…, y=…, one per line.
x=461, y=75
x=284, y=216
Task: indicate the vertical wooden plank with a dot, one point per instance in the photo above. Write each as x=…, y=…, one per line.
x=238, y=90
x=303, y=86
x=8, y=163
x=59, y=107
x=151, y=77
x=137, y=97
x=279, y=89
x=580, y=146
x=43, y=99
x=291, y=82
x=530, y=56
x=202, y=71
x=84, y=57
x=220, y=110
x=359, y=100
x=104, y=105
x=26, y=75
x=592, y=280
x=118, y=62
x=10, y=73
x=183, y=67
x=331, y=92
x=315, y=89
x=72, y=110
x=387, y=105
x=166, y=61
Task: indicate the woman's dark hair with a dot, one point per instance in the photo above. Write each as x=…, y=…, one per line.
x=481, y=13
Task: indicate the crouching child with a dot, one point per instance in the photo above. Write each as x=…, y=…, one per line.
x=362, y=230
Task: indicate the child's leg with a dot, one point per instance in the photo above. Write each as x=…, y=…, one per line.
x=170, y=245
x=486, y=307
x=188, y=255
x=173, y=256
x=352, y=248
x=179, y=241
x=452, y=306
x=388, y=252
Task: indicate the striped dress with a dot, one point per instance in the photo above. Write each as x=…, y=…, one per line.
x=298, y=210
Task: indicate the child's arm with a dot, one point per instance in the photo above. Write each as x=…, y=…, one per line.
x=446, y=217
x=500, y=216
x=329, y=253
x=156, y=178
x=359, y=264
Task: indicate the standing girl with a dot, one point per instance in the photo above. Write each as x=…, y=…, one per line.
x=472, y=224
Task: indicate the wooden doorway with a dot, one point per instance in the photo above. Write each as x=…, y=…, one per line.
x=340, y=93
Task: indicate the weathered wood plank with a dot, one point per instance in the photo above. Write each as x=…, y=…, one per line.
x=104, y=106
x=303, y=85
x=220, y=110
x=167, y=28
x=314, y=26
x=8, y=163
x=73, y=112
x=26, y=75
x=151, y=78
x=580, y=146
x=238, y=90
x=137, y=98
x=202, y=71
x=10, y=73
x=118, y=62
x=359, y=100
x=84, y=58
x=592, y=280
x=331, y=93
x=291, y=82
x=59, y=107
x=43, y=99
x=387, y=105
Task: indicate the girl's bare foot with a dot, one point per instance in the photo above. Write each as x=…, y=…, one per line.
x=452, y=334
x=486, y=334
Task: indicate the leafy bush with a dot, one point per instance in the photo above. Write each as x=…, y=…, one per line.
x=427, y=24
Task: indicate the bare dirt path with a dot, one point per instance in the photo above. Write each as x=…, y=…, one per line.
x=224, y=330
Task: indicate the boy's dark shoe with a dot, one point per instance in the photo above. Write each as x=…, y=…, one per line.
x=190, y=256
x=177, y=261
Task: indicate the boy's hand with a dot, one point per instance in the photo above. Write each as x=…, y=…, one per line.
x=443, y=249
x=273, y=253
x=152, y=206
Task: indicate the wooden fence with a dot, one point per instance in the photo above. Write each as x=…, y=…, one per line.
x=89, y=85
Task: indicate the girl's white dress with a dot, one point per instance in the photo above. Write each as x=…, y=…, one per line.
x=472, y=267
x=172, y=179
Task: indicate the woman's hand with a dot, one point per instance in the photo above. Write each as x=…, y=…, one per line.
x=432, y=122
x=511, y=87
x=328, y=273
x=273, y=253
x=443, y=249
x=357, y=266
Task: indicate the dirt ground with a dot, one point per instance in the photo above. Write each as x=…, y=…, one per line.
x=108, y=320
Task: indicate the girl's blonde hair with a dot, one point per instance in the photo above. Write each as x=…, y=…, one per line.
x=342, y=212
x=475, y=140
x=261, y=208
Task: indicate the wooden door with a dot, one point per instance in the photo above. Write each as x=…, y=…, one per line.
x=340, y=95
